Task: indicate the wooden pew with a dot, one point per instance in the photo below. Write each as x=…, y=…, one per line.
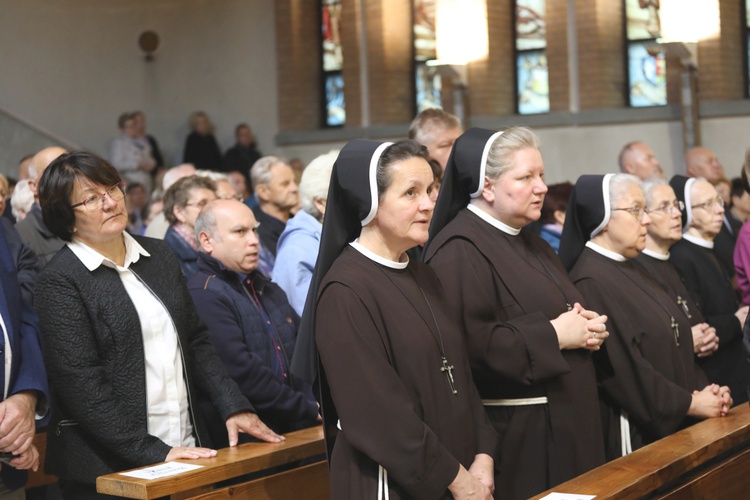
x=309, y=481
x=708, y=460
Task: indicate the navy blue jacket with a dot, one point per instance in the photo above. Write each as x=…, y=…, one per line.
x=27, y=365
x=251, y=353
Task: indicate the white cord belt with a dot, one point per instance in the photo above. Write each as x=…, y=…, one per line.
x=542, y=400
x=383, y=493
x=627, y=446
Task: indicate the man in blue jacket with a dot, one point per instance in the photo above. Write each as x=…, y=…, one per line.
x=252, y=325
x=23, y=380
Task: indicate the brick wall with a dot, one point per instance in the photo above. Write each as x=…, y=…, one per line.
x=557, y=55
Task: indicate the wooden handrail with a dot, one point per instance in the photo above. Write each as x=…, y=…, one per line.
x=229, y=463
x=703, y=452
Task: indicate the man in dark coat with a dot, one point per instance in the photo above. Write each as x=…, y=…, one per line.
x=252, y=325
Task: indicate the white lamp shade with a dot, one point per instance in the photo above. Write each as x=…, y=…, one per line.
x=689, y=21
x=461, y=31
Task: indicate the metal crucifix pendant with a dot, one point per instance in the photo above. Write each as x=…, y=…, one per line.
x=676, y=331
x=684, y=305
x=448, y=370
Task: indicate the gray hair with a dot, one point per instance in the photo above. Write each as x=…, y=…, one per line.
x=260, y=172
x=22, y=199
x=315, y=180
x=500, y=157
x=619, y=183
x=426, y=123
x=176, y=173
x=205, y=223
x=214, y=176
x=651, y=184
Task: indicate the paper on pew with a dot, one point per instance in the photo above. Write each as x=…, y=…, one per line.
x=163, y=470
x=567, y=496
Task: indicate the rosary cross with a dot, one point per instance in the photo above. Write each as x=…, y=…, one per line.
x=448, y=370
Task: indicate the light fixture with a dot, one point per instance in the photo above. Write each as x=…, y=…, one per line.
x=148, y=42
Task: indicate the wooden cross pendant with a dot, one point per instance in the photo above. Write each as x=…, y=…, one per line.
x=448, y=370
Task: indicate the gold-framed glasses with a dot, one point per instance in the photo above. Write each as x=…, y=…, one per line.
x=667, y=208
x=95, y=201
x=637, y=212
x=712, y=203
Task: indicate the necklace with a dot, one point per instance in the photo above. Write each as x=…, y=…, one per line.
x=445, y=367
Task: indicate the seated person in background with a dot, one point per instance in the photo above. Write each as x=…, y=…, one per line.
x=739, y=205
x=22, y=200
x=201, y=147
x=436, y=130
x=649, y=383
x=136, y=199
x=25, y=398
x=708, y=282
x=32, y=230
x=638, y=159
x=157, y=227
x=297, y=249
x=131, y=156
x=664, y=231
x=124, y=349
x=252, y=325
x=276, y=193
x=240, y=182
x=553, y=213
x=244, y=153
x=742, y=249
x=182, y=204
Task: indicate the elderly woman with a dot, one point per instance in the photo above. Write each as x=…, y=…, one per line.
x=396, y=377
x=297, y=248
x=183, y=201
x=648, y=378
x=527, y=334
x=124, y=350
x=708, y=282
x=665, y=230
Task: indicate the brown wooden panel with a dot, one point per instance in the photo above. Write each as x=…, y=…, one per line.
x=228, y=464
x=666, y=462
x=309, y=482
x=727, y=478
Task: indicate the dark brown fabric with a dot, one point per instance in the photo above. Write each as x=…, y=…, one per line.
x=505, y=289
x=653, y=376
x=376, y=338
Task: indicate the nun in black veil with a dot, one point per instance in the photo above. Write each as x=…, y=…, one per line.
x=395, y=378
x=528, y=337
x=651, y=386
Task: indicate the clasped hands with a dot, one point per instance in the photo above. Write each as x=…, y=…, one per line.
x=17, y=429
x=580, y=328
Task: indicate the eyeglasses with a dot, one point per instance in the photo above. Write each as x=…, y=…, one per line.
x=667, y=208
x=714, y=203
x=96, y=201
x=637, y=212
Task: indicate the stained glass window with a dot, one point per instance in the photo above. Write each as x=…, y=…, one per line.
x=426, y=78
x=333, y=62
x=647, y=82
x=532, y=74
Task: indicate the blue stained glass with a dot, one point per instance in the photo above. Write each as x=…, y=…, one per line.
x=335, y=107
x=533, y=83
x=648, y=75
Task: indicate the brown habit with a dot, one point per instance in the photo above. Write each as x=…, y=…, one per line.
x=379, y=347
x=508, y=289
x=653, y=377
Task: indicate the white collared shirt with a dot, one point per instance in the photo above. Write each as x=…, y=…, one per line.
x=166, y=390
x=698, y=241
x=377, y=258
x=603, y=251
x=656, y=255
x=493, y=221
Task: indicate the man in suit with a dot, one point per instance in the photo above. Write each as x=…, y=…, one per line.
x=23, y=379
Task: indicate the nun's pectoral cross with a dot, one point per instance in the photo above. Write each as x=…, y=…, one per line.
x=448, y=370
x=676, y=331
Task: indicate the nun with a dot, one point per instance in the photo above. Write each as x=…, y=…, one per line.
x=665, y=230
x=398, y=400
x=708, y=281
x=529, y=338
x=650, y=384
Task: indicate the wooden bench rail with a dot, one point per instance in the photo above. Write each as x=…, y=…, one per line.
x=691, y=463
x=228, y=464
